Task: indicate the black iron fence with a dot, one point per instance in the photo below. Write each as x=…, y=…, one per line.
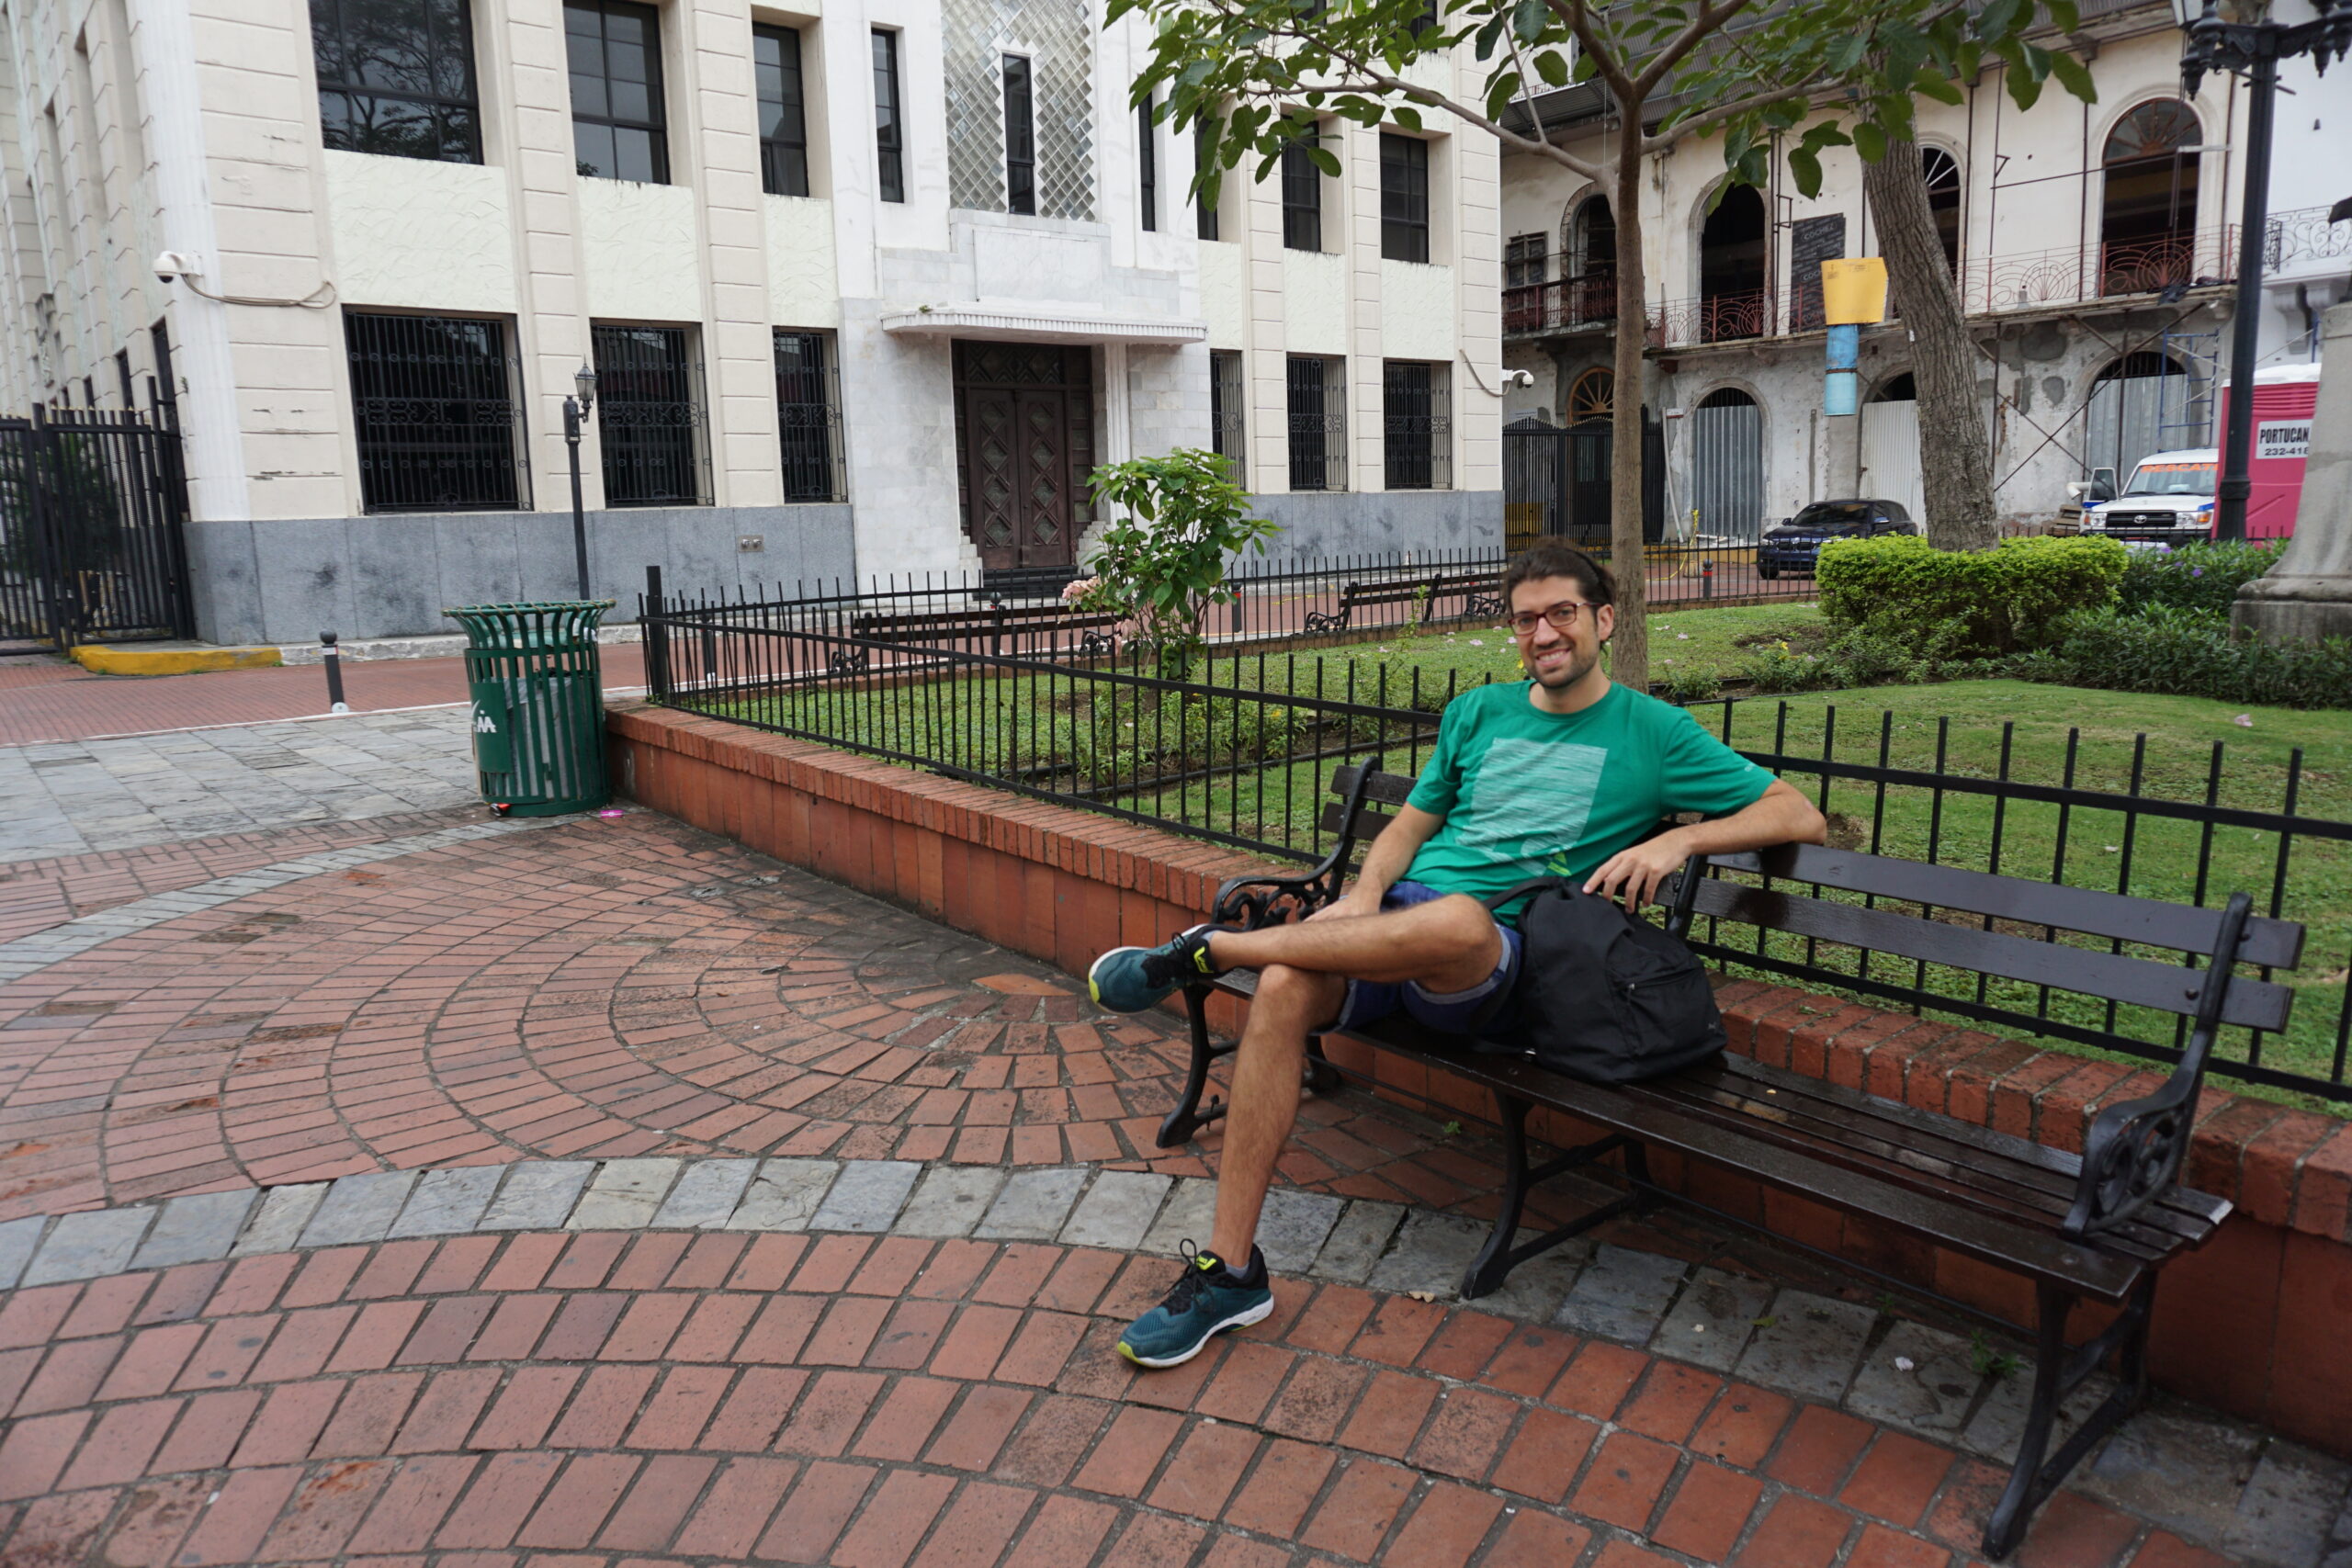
x=91, y=508
x=1241, y=754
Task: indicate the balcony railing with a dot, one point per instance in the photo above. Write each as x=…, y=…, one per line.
x=1562, y=303
x=2073, y=276
x=2304, y=235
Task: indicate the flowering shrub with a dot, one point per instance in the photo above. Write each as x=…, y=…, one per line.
x=2194, y=577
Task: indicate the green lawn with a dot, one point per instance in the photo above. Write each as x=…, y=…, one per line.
x=1207, y=764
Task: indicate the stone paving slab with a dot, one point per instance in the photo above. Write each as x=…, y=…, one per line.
x=1808, y=1345
x=195, y=1229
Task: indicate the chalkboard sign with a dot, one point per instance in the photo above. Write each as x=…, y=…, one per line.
x=1812, y=241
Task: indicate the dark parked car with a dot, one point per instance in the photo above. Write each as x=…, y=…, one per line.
x=1795, y=545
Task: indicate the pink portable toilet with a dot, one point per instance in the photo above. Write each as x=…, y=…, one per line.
x=2284, y=398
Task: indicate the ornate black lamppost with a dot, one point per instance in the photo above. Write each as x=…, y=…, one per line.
x=576, y=409
x=2252, y=44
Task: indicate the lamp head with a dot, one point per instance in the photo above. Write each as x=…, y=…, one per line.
x=584, y=381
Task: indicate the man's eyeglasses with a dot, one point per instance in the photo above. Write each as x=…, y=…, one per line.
x=1562, y=615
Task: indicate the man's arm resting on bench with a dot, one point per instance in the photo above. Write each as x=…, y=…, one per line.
x=1778, y=815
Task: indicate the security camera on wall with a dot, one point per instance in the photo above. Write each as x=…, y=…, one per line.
x=170, y=264
x=1519, y=378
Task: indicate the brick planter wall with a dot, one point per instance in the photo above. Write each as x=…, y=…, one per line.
x=2257, y=1323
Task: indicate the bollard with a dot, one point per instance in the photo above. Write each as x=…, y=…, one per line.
x=333, y=661
x=1707, y=580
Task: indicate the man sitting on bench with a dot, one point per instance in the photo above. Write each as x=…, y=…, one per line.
x=1559, y=775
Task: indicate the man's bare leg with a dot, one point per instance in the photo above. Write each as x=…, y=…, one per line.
x=1448, y=944
x=1290, y=1005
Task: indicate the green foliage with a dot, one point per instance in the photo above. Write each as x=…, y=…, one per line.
x=1685, y=685
x=1162, y=562
x=2195, y=576
x=1886, y=55
x=1862, y=656
x=1957, y=603
x=2190, y=652
x=81, y=507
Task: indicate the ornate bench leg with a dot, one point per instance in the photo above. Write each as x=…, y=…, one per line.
x=1189, y=1116
x=2058, y=1372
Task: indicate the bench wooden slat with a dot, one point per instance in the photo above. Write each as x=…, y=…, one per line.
x=1367, y=821
x=1389, y=789
x=2139, y=982
x=2181, y=927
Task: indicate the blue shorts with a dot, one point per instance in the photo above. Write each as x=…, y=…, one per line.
x=1453, y=1012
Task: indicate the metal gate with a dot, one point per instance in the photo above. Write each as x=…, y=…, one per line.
x=1556, y=481
x=1728, y=466
x=91, y=508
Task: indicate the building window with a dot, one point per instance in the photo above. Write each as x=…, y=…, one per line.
x=1526, y=258
x=1148, y=165
x=888, y=145
x=784, y=121
x=1302, y=196
x=1319, y=422
x=1404, y=198
x=1019, y=138
x=1228, y=395
x=1210, y=182
x=649, y=416
x=434, y=398
x=808, y=411
x=617, y=121
x=1417, y=427
x=396, y=77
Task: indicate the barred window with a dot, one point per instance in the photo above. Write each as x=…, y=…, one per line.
x=784, y=124
x=649, y=416
x=1302, y=196
x=1019, y=138
x=614, y=47
x=1319, y=422
x=1417, y=427
x=1229, y=396
x=808, y=413
x=1404, y=198
x=396, y=77
x=434, y=401
x=889, y=142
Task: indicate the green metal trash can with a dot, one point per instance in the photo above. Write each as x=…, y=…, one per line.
x=539, y=705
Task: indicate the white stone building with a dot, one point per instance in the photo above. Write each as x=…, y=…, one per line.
x=868, y=287
x=2093, y=245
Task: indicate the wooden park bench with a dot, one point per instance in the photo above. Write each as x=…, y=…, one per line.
x=2096, y=1226
x=1476, y=591
x=1026, y=631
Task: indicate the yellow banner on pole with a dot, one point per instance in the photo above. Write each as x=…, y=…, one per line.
x=1853, y=291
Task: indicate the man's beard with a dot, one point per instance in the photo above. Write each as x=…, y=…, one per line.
x=1579, y=666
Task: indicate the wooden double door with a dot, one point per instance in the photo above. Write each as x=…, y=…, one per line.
x=1024, y=424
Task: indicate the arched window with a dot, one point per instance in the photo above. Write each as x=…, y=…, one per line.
x=1592, y=395
x=1942, y=171
x=2148, y=211
x=1731, y=267
x=1589, y=261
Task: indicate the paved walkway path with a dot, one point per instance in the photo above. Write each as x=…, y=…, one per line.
x=632, y=1199
x=44, y=699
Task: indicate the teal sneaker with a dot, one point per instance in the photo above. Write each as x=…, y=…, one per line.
x=1135, y=979
x=1209, y=1299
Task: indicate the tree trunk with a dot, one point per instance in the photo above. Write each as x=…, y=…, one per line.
x=1630, y=661
x=1955, y=455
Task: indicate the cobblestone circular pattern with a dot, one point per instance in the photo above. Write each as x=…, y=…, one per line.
x=613, y=1397
x=599, y=989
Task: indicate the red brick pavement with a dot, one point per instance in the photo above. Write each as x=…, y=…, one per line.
x=42, y=702
x=601, y=988
x=559, y=1401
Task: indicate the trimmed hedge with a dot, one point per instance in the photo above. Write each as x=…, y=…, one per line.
x=2189, y=653
x=1961, y=603
x=2195, y=576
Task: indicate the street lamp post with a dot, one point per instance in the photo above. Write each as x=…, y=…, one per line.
x=576, y=409
x=2253, y=45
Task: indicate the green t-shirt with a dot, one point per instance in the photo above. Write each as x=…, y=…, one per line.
x=1525, y=793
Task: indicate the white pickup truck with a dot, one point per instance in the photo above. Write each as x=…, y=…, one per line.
x=2169, y=502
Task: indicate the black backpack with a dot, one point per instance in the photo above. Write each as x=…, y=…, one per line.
x=1602, y=995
